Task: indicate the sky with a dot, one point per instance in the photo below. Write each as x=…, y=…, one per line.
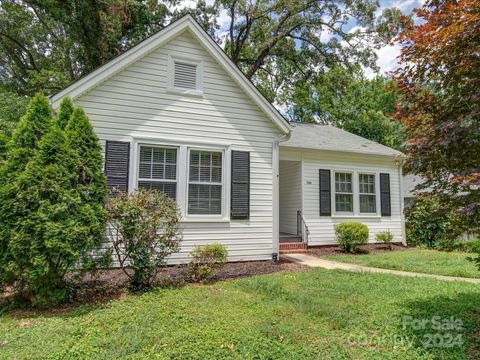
x=386, y=55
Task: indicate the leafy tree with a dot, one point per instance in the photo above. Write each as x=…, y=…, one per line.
x=281, y=45
x=12, y=107
x=440, y=103
x=345, y=98
x=46, y=44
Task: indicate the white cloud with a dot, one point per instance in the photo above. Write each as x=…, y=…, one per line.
x=387, y=60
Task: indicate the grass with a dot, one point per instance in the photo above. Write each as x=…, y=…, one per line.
x=303, y=315
x=416, y=260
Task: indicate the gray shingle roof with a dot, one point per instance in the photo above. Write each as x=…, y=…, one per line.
x=327, y=137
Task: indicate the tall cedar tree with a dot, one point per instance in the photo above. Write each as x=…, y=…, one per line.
x=48, y=239
x=64, y=113
x=19, y=151
x=440, y=104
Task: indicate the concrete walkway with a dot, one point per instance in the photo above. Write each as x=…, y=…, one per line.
x=314, y=261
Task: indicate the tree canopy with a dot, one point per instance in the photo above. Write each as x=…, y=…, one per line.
x=440, y=102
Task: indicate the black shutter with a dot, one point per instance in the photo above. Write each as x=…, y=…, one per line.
x=240, y=199
x=325, y=191
x=385, y=203
x=117, y=159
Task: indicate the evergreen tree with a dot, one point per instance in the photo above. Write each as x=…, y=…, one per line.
x=91, y=181
x=18, y=152
x=64, y=112
x=45, y=241
x=31, y=128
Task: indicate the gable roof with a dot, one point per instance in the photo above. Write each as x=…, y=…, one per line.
x=106, y=71
x=331, y=138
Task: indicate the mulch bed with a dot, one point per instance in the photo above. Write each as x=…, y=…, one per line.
x=112, y=284
x=364, y=249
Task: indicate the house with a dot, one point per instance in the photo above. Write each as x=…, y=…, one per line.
x=174, y=113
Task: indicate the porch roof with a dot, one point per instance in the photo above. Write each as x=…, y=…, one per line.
x=331, y=138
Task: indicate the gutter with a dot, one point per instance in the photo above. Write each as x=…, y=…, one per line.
x=400, y=161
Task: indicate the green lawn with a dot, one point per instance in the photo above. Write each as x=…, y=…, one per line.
x=304, y=315
x=416, y=260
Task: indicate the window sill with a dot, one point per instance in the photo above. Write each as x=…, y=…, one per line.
x=356, y=216
x=194, y=93
x=204, y=220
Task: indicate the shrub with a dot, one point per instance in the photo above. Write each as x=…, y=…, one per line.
x=144, y=228
x=57, y=218
x=429, y=224
x=350, y=235
x=386, y=237
x=205, y=260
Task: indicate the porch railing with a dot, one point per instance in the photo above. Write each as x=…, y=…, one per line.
x=302, y=228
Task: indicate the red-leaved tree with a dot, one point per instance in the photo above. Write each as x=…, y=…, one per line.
x=439, y=83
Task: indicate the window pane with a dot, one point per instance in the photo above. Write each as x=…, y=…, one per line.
x=145, y=171
x=366, y=183
x=368, y=204
x=343, y=182
x=204, y=199
x=344, y=202
x=205, y=168
x=153, y=163
x=169, y=188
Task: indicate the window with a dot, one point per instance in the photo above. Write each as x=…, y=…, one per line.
x=205, y=183
x=368, y=201
x=158, y=169
x=343, y=192
x=185, y=76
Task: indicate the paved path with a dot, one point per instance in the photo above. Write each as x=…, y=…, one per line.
x=314, y=261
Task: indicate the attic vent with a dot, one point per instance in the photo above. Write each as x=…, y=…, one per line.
x=185, y=76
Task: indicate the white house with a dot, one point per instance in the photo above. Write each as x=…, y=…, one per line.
x=174, y=113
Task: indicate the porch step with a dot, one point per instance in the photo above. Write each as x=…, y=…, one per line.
x=289, y=247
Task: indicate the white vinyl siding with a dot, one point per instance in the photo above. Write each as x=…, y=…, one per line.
x=322, y=227
x=136, y=105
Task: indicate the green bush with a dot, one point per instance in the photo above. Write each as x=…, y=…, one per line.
x=205, y=260
x=429, y=224
x=56, y=219
x=386, y=237
x=144, y=229
x=350, y=235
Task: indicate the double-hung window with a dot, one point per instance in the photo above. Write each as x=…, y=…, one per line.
x=205, y=183
x=367, y=193
x=158, y=169
x=343, y=192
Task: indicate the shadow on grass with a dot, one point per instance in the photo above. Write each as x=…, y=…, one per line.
x=446, y=327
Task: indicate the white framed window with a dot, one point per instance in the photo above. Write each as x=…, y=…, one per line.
x=367, y=193
x=205, y=182
x=185, y=76
x=343, y=192
x=157, y=169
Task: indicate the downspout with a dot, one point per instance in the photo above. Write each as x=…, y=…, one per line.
x=276, y=192
x=402, y=201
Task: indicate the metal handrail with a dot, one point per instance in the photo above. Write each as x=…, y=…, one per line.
x=302, y=228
